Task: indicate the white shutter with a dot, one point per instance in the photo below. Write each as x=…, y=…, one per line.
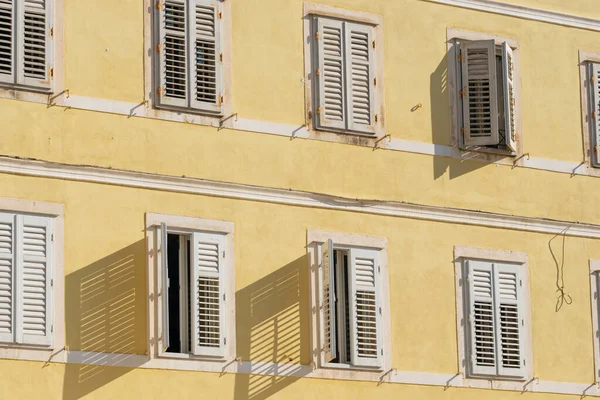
x=208, y=295
x=7, y=41
x=34, y=280
x=365, y=308
x=482, y=338
x=34, y=60
x=7, y=279
x=329, y=73
x=595, y=116
x=509, y=320
x=172, y=60
x=360, y=72
x=164, y=269
x=480, y=106
x=510, y=115
x=328, y=331
x=205, y=55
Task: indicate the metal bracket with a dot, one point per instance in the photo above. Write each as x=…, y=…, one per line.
x=518, y=158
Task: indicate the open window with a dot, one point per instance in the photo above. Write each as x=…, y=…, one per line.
x=594, y=112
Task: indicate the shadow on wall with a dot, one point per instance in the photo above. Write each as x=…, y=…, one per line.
x=273, y=327
x=105, y=313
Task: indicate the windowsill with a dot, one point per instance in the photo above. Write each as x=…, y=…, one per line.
x=23, y=88
x=191, y=111
x=489, y=150
x=350, y=367
x=496, y=378
x=18, y=346
x=184, y=356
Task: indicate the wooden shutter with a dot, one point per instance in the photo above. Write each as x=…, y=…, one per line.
x=208, y=294
x=328, y=326
x=172, y=60
x=329, y=73
x=595, y=115
x=365, y=308
x=7, y=40
x=164, y=270
x=7, y=278
x=34, y=280
x=205, y=50
x=479, y=93
x=510, y=102
x=34, y=43
x=360, y=73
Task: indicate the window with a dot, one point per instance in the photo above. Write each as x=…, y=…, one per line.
x=194, y=271
x=494, y=316
x=189, y=63
x=26, y=280
x=26, y=44
x=595, y=292
x=593, y=70
x=349, y=287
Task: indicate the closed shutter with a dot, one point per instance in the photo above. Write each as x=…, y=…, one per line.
x=360, y=72
x=7, y=278
x=365, y=308
x=205, y=48
x=164, y=273
x=480, y=106
x=34, y=49
x=328, y=326
x=208, y=295
x=595, y=115
x=7, y=28
x=510, y=116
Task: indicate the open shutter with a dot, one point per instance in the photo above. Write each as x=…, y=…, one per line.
x=482, y=338
x=34, y=43
x=509, y=320
x=7, y=41
x=208, y=295
x=172, y=60
x=480, y=106
x=595, y=115
x=164, y=268
x=205, y=48
x=510, y=116
x=365, y=308
x=328, y=331
x=35, y=281
x=329, y=73
x=360, y=73
x=7, y=279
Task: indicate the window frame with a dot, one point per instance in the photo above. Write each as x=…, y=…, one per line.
x=454, y=37
x=310, y=11
x=595, y=303
x=186, y=225
x=473, y=253
x=344, y=241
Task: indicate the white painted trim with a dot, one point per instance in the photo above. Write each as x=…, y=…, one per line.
x=460, y=254
x=595, y=300
x=534, y=14
x=293, y=197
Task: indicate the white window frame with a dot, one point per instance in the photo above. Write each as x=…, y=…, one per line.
x=483, y=153
x=315, y=240
x=55, y=212
x=595, y=300
x=182, y=224
x=311, y=10
x=586, y=59
x=466, y=253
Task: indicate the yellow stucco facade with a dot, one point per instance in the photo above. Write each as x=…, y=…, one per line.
x=105, y=256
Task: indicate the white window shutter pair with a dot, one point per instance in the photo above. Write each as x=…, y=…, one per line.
x=26, y=43
x=480, y=94
x=345, y=76
x=595, y=115
x=495, y=319
x=25, y=280
x=190, y=57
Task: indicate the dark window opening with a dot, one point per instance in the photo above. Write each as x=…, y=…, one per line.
x=178, y=270
x=342, y=307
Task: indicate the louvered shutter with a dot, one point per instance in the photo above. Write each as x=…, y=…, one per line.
x=7, y=277
x=595, y=116
x=34, y=48
x=365, y=308
x=205, y=49
x=360, y=72
x=329, y=74
x=509, y=321
x=7, y=28
x=481, y=318
x=208, y=295
x=172, y=60
x=480, y=106
x=34, y=280
x=328, y=331
x=510, y=116
x=164, y=269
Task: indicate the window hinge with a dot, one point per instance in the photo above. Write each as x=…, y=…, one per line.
x=380, y=313
x=379, y=268
x=221, y=98
x=376, y=117
x=224, y=296
x=594, y=115
x=51, y=282
x=592, y=79
x=374, y=81
x=223, y=253
x=462, y=93
x=221, y=57
x=52, y=237
x=317, y=35
x=318, y=71
x=159, y=91
x=463, y=131
x=51, y=328
x=596, y=149
x=52, y=32
x=460, y=57
x=520, y=282
x=52, y=72
x=319, y=110
x=225, y=341
x=382, y=352
x=373, y=44
x=158, y=48
x=160, y=5
x=220, y=15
